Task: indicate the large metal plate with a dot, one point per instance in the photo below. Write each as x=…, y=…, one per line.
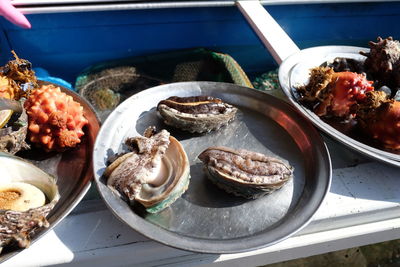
x=205, y=218
x=72, y=168
x=294, y=71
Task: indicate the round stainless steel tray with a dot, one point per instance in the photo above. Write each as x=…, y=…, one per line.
x=205, y=218
x=294, y=71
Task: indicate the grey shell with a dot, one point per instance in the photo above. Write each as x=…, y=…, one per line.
x=199, y=122
x=241, y=180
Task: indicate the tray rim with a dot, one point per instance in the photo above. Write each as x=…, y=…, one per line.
x=284, y=79
x=176, y=240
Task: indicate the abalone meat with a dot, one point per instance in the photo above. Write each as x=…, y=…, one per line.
x=155, y=173
x=196, y=114
x=245, y=173
x=27, y=195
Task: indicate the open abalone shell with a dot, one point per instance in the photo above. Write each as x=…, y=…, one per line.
x=155, y=173
x=18, y=224
x=245, y=173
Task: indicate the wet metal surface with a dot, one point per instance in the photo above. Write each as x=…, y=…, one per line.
x=205, y=218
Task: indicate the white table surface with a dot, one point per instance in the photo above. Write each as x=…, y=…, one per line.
x=362, y=207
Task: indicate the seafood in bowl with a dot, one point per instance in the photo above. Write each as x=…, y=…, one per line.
x=360, y=97
x=32, y=183
x=154, y=173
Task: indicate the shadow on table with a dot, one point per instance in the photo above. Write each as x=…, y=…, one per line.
x=98, y=237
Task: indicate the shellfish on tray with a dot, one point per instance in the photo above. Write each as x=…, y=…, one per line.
x=27, y=195
x=155, y=173
x=196, y=114
x=245, y=173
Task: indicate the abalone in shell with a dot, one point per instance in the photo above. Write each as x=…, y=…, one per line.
x=196, y=114
x=154, y=173
x=245, y=173
x=27, y=195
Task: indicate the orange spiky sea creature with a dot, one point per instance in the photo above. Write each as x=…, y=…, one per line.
x=335, y=93
x=379, y=118
x=55, y=119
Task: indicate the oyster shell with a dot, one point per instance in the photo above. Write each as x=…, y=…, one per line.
x=155, y=173
x=245, y=173
x=196, y=114
x=17, y=227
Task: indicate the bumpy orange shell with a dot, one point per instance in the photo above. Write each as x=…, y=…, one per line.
x=385, y=126
x=335, y=93
x=55, y=119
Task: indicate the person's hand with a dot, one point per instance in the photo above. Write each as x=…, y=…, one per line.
x=8, y=11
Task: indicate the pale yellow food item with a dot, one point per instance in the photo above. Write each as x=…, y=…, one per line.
x=20, y=196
